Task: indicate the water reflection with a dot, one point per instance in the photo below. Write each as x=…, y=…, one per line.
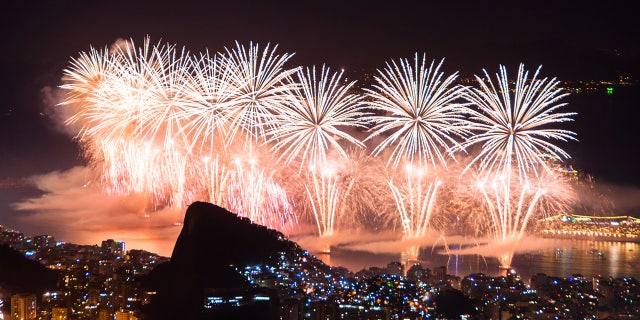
x=561, y=258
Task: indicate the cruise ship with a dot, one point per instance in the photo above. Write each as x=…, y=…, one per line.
x=600, y=228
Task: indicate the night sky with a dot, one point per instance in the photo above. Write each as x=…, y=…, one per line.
x=573, y=41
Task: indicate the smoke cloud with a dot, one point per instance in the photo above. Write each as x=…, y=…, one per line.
x=74, y=209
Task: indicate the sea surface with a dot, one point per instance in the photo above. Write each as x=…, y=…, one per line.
x=562, y=257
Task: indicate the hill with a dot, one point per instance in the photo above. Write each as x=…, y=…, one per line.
x=212, y=242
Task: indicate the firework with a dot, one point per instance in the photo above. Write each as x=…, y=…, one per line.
x=258, y=88
x=158, y=121
x=513, y=124
x=514, y=129
x=315, y=118
x=206, y=116
x=242, y=130
x=511, y=206
x=421, y=111
x=252, y=192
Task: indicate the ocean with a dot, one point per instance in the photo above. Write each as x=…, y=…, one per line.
x=560, y=257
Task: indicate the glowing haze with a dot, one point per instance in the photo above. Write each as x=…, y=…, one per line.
x=294, y=147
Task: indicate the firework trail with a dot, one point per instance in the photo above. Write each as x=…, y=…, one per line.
x=420, y=110
x=514, y=128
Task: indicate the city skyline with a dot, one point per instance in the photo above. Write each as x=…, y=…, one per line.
x=348, y=40
x=104, y=280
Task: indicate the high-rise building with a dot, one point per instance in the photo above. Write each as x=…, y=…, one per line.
x=104, y=314
x=60, y=313
x=23, y=307
x=44, y=241
x=439, y=274
x=113, y=249
x=125, y=315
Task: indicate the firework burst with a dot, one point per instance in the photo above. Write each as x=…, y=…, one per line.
x=316, y=118
x=244, y=131
x=514, y=124
x=157, y=120
x=258, y=88
x=420, y=109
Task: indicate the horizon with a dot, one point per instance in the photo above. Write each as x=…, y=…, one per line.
x=456, y=256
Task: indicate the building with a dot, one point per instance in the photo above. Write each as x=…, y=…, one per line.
x=23, y=307
x=104, y=314
x=59, y=313
x=112, y=249
x=125, y=315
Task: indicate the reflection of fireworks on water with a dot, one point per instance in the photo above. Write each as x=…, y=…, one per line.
x=419, y=109
x=514, y=133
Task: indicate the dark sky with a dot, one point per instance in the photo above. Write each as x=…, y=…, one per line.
x=354, y=34
x=572, y=40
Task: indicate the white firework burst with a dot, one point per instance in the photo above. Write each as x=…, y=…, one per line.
x=257, y=79
x=514, y=125
x=421, y=110
x=316, y=117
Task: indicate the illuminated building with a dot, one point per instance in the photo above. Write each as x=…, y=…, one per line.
x=23, y=307
x=113, y=249
x=125, y=315
x=439, y=274
x=241, y=303
x=105, y=314
x=44, y=241
x=58, y=313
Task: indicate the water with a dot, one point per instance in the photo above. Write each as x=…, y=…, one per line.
x=560, y=257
